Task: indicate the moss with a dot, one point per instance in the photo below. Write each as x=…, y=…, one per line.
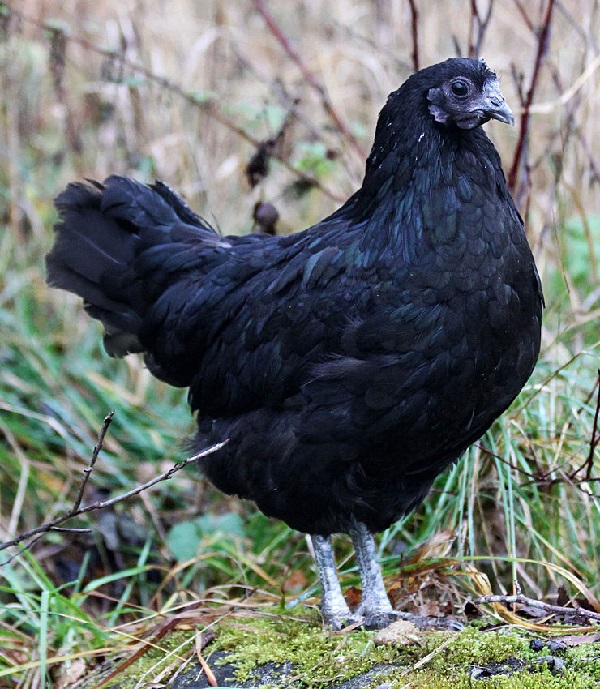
x=475, y=647
x=586, y=658
x=302, y=655
x=318, y=657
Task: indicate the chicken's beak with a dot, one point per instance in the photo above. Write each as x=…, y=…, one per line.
x=495, y=106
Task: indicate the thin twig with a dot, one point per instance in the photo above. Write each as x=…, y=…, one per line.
x=65, y=529
x=162, y=477
x=87, y=472
x=524, y=16
x=295, y=56
x=100, y=505
x=430, y=656
x=542, y=45
x=478, y=26
x=414, y=29
x=595, y=437
x=546, y=607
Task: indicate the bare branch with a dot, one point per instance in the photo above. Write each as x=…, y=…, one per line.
x=162, y=477
x=77, y=510
x=562, y=610
x=588, y=465
x=414, y=25
x=87, y=472
x=65, y=529
x=594, y=439
x=478, y=26
x=543, y=38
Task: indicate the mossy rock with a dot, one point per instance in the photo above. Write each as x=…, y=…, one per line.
x=279, y=652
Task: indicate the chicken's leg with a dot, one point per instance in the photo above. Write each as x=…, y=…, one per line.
x=333, y=604
x=375, y=607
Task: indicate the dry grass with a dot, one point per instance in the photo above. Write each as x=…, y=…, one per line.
x=359, y=51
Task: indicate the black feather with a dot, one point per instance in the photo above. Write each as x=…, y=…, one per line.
x=348, y=364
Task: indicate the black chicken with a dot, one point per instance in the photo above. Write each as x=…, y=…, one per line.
x=349, y=364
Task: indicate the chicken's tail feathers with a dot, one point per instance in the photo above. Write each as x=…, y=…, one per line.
x=102, y=232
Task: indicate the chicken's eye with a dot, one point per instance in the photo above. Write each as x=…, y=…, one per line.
x=460, y=88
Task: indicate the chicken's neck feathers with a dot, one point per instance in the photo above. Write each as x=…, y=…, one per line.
x=411, y=171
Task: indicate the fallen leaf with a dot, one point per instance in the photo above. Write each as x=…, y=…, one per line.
x=352, y=596
x=401, y=633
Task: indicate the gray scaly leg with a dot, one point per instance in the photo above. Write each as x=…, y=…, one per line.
x=334, y=608
x=375, y=606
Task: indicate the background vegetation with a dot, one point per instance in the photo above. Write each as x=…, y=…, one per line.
x=189, y=92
